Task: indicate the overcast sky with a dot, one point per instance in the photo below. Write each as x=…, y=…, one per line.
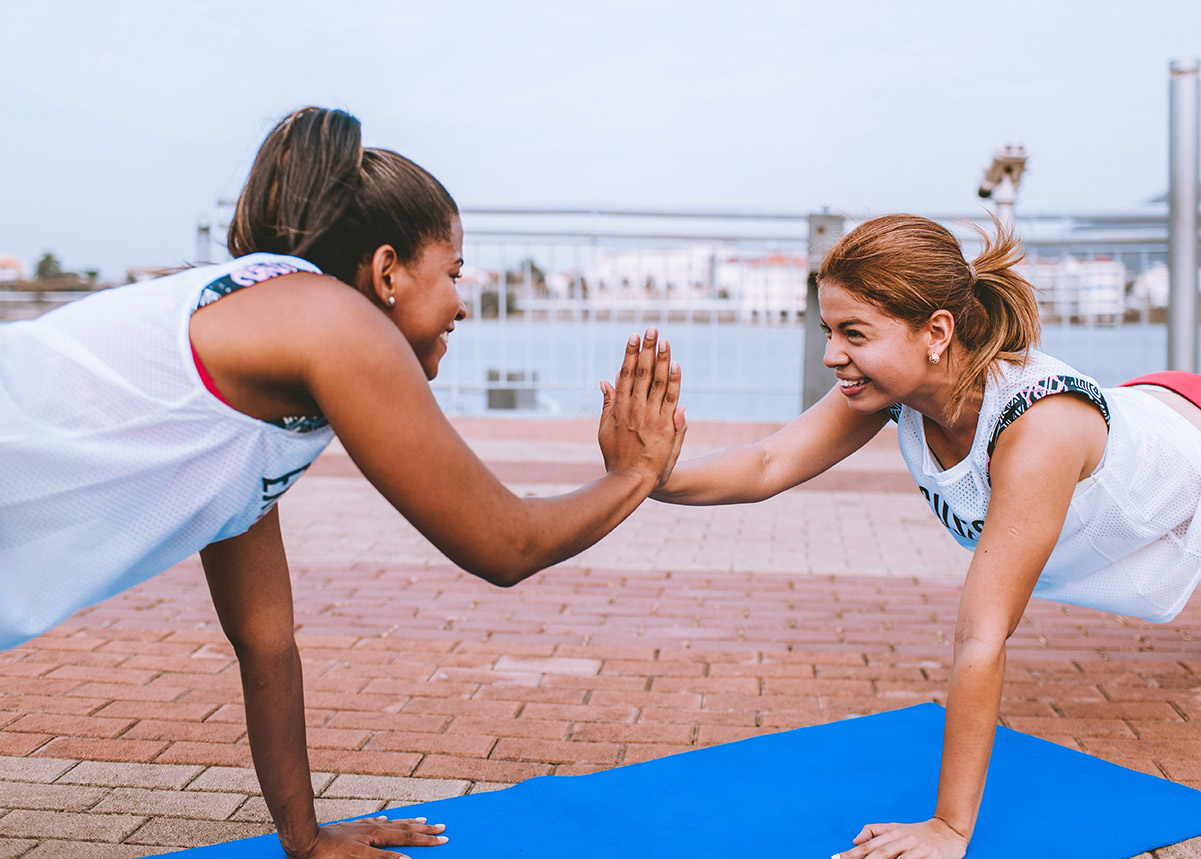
x=125, y=120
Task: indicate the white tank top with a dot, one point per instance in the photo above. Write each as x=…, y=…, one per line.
x=1129, y=544
x=117, y=462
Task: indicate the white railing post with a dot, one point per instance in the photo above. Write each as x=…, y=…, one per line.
x=1182, y=216
x=816, y=377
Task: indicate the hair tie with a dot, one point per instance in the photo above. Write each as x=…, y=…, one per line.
x=972, y=277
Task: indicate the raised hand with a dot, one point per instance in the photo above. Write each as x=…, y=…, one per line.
x=362, y=838
x=931, y=839
x=641, y=425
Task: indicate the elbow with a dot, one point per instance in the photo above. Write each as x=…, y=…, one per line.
x=503, y=569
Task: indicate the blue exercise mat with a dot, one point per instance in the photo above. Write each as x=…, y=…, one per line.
x=805, y=793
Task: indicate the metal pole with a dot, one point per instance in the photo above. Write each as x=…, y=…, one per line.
x=816, y=377
x=1182, y=216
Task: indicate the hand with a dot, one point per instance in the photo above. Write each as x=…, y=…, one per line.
x=932, y=839
x=641, y=426
x=358, y=839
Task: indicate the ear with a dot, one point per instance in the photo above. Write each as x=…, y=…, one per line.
x=940, y=328
x=379, y=282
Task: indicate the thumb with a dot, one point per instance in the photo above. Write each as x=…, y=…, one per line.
x=608, y=392
x=679, y=420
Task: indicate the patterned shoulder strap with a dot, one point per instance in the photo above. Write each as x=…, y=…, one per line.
x=894, y=412
x=245, y=275
x=1028, y=396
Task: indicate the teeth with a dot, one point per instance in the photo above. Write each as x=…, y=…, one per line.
x=850, y=383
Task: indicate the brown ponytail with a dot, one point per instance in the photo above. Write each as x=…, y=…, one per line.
x=315, y=192
x=910, y=267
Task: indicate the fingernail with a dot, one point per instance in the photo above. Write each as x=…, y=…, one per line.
x=420, y=819
x=651, y=333
x=664, y=345
x=633, y=339
x=675, y=366
x=442, y=839
x=439, y=826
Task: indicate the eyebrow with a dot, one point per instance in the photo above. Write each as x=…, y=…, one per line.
x=846, y=323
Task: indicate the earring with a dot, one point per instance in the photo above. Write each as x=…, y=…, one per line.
x=391, y=301
x=935, y=358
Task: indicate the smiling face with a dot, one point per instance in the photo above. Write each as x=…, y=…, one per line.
x=879, y=359
x=427, y=300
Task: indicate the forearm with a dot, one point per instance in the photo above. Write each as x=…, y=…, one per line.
x=973, y=706
x=734, y=476
x=274, y=695
x=538, y=532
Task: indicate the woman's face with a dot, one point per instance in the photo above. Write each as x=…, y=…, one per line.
x=879, y=359
x=427, y=300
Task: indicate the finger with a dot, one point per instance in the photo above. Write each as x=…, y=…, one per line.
x=646, y=366
x=871, y=831
x=629, y=366
x=671, y=396
x=661, y=376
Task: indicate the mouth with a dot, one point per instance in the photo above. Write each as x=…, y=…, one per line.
x=852, y=386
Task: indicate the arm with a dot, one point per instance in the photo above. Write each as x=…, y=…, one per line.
x=823, y=435
x=1035, y=468
x=252, y=592
x=318, y=344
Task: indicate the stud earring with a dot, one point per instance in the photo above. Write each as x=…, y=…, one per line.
x=934, y=358
x=391, y=301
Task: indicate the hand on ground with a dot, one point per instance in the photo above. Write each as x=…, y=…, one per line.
x=364, y=838
x=932, y=839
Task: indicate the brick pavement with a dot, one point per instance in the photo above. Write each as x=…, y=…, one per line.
x=121, y=732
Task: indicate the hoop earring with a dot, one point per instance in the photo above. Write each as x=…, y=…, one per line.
x=935, y=358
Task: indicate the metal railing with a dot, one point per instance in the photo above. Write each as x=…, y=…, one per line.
x=729, y=290
x=554, y=293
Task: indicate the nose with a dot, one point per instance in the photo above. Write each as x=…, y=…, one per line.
x=834, y=356
x=462, y=314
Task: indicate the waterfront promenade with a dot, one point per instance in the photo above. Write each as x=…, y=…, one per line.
x=121, y=732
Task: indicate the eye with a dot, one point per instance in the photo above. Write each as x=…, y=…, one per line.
x=852, y=334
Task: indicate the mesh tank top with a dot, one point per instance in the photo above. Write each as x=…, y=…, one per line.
x=117, y=461
x=1129, y=544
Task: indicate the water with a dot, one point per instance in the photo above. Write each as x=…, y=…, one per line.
x=732, y=372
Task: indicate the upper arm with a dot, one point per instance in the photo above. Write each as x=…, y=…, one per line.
x=250, y=586
x=369, y=384
x=1035, y=468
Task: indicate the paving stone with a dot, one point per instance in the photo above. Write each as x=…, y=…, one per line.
x=170, y=803
x=90, y=850
x=131, y=774
x=50, y=797
x=75, y=826
x=242, y=780
x=328, y=810
x=394, y=788
x=10, y=848
x=179, y=832
x=43, y=770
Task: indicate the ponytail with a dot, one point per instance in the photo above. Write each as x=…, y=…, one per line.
x=315, y=192
x=1001, y=323
x=910, y=267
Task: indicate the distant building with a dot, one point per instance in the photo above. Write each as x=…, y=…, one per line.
x=12, y=269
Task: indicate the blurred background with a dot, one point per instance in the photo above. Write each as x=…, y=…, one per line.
x=619, y=164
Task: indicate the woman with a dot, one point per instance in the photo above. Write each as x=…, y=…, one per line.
x=1060, y=489
x=151, y=421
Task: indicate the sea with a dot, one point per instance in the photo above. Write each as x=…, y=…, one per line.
x=731, y=371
